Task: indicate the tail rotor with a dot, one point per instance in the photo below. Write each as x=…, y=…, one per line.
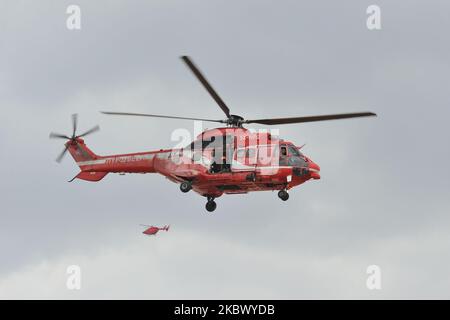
x=72, y=139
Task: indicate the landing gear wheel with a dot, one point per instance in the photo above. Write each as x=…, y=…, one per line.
x=283, y=195
x=211, y=205
x=185, y=186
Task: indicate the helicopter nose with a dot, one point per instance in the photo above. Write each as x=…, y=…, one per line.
x=314, y=170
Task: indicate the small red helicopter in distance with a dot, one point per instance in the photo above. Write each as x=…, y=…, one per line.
x=226, y=160
x=151, y=230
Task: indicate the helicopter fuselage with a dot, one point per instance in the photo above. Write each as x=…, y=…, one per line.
x=220, y=161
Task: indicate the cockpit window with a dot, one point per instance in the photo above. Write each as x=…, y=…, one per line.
x=294, y=151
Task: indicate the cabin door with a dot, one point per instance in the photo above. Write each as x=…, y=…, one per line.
x=244, y=162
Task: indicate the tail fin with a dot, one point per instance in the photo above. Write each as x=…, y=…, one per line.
x=166, y=228
x=80, y=152
x=84, y=157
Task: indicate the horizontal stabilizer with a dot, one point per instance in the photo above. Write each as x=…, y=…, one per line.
x=90, y=176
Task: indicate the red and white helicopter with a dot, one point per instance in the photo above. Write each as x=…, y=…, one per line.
x=152, y=230
x=225, y=160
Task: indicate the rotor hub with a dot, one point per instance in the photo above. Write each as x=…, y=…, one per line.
x=235, y=121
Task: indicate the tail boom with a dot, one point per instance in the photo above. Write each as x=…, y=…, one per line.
x=94, y=167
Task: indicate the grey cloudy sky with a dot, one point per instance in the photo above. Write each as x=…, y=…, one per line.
x=384, y=194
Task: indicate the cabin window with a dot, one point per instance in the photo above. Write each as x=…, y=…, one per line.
x=240, y=154
x=251, y=153
x=266, y=153
x=250, y=158
x=204, y=143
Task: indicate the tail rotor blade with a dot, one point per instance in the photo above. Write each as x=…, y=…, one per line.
x=54, y=135
x=74, y=123
x=62, y=154
x=94, y=129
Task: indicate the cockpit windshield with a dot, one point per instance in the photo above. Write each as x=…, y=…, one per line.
x=291, y=156
x=295, y=152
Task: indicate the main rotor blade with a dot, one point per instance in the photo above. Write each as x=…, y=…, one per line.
x=94, y=129
x=275, y=121
x=156, y=116
x=62, y=154
x=74, y=123
x=58, y=136
x=206, y=84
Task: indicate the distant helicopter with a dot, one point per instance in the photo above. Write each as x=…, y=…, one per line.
x=226, y=160
x=151, y=230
